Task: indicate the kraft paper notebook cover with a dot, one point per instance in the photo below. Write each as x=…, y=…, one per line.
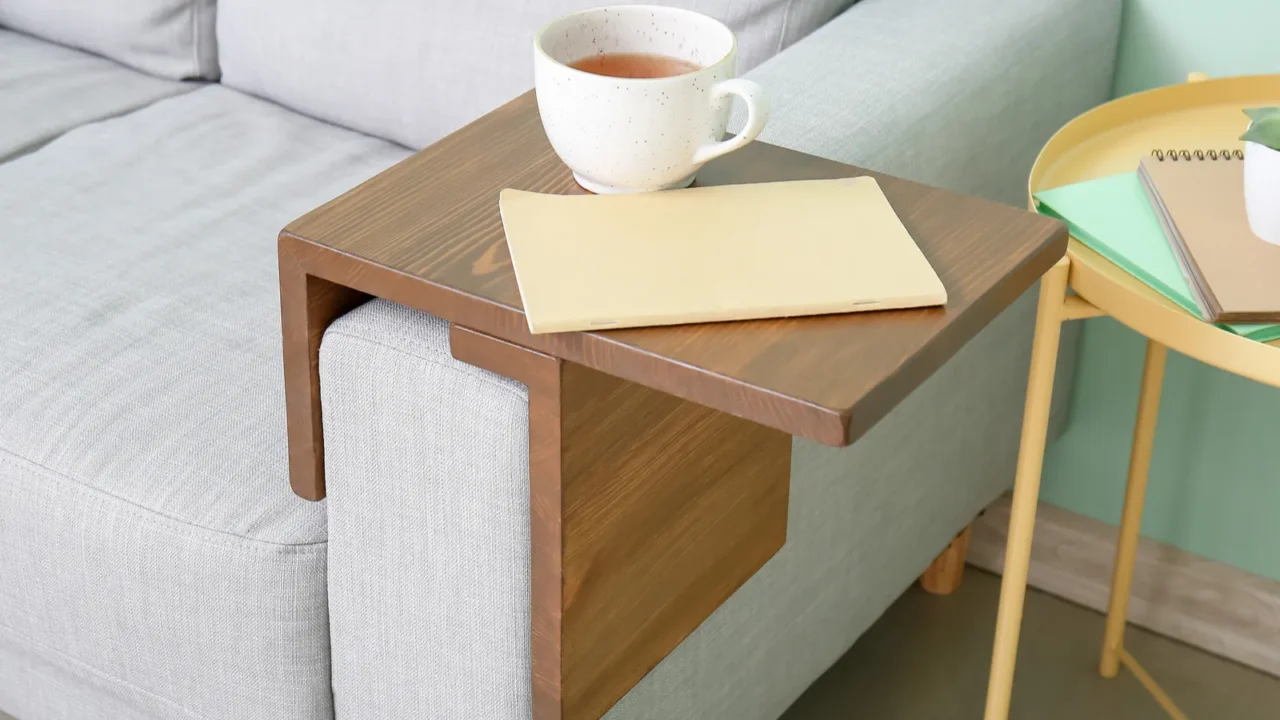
x=1112, y=216
x=733, y=252
x=1234, y=274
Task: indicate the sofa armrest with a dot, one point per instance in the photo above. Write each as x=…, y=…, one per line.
x=959, y=94
x=427, y=459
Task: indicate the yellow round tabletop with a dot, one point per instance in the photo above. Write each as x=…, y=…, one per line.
x=1111, y=139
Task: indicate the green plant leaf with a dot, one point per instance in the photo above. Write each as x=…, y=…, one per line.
x=1264, y=131
x=1262, y=113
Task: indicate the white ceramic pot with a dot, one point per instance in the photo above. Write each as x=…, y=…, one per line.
x=638, y=134
x=1262, y=190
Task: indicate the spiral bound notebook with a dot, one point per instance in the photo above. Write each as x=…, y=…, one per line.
x=1198, y=197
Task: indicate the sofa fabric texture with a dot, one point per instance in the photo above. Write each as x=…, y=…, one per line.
x=171, y=39
x=433, y=521
x=864, y=520
x=155, y=562
x=438, y=65
x=47, y=89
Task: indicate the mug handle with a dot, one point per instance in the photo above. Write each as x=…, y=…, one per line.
x=757, y=115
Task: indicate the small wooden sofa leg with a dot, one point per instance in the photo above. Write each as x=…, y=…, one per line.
x=944, y=575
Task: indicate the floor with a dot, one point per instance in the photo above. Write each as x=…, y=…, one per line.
x=927, y=657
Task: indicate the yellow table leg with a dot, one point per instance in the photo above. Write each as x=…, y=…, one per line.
x=1144, y=433
x=1026, y=489
x=1161, y=697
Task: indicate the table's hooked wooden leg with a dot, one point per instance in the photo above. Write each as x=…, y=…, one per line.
x=1144, y=433
x=308, y=304
x=1026, y=488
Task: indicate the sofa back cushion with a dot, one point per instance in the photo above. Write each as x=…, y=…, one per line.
x=169, y=38
x=412, y=71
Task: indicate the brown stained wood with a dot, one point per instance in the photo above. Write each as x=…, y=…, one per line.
x=426, y=233
x=307, y=305
x=542, y=375
x=661, y=507
x=944, y=574
x=669, y=507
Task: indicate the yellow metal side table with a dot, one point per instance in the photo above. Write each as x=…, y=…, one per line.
x=1107, y=140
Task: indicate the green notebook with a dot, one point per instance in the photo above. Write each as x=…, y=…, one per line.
x=1113, y=217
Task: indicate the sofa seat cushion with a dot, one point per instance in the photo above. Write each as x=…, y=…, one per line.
x=153, y=561
x=47, y=89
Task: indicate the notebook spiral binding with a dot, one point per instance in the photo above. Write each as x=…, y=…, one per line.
x=1186, y=155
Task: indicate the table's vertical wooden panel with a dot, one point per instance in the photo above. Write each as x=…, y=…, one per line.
x=308, y=304
x=668, y=507
x=648, y=512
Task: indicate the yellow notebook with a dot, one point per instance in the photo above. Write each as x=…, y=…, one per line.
x=730, y=252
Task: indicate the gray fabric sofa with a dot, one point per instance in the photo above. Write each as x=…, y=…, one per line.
x=153, y=562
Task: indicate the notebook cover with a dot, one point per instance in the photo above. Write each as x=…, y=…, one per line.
x=1113, y=217
x=732, y=252
x=1179, y=252
x=1236, y=271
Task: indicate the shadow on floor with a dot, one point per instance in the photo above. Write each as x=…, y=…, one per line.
x=927, y=657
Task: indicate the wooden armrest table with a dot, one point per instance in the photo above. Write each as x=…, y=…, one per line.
x=659, y=457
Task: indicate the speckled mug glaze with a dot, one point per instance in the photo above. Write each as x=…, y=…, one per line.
x=634, y=135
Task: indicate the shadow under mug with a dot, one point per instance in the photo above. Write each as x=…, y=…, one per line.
x=639, y=134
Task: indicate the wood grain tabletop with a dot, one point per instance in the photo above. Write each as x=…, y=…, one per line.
x=427, y=233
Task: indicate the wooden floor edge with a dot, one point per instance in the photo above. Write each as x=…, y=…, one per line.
x=1204, y=603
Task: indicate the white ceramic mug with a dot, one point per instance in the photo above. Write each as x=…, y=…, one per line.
x=633, y=135
x=1262, y=191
